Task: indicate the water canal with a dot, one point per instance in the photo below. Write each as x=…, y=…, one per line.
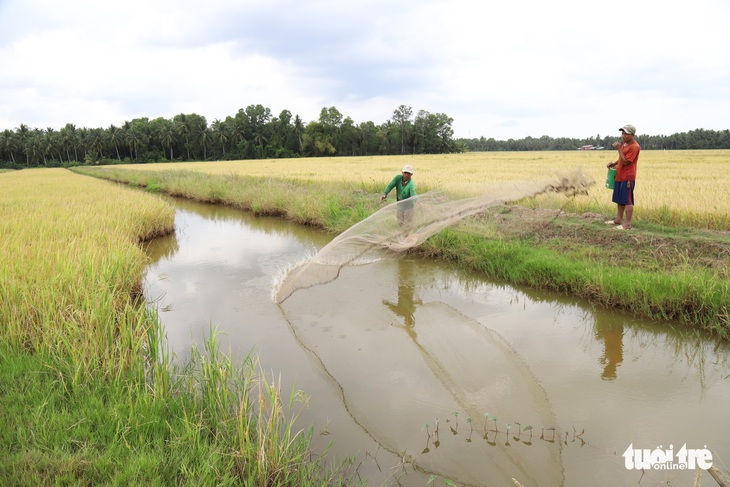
x=465, y=379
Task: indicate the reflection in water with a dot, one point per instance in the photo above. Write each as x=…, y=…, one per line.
x=161, y=248
x=524, y=356
x=610, y=331
x=405, y=306
x=392, y=382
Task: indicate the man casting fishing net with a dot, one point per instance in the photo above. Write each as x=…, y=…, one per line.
x=405, y=194
x=380, y=235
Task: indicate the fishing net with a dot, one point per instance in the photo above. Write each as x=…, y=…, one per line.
x=408, y=223
x=392, y=378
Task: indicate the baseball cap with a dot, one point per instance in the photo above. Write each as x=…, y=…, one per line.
x=408, y=168
x=629, y=129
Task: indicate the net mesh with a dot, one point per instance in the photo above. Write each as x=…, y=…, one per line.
x=408, y=223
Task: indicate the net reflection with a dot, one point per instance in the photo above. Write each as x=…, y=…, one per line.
x=446, y=363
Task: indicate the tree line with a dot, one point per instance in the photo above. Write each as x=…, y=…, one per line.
x=252, y=133
x=694, y=139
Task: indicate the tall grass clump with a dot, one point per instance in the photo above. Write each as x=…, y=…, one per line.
x=89, y=394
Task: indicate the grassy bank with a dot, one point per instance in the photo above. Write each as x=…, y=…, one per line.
x=673, y=273
x=699, y=202
x=88, y=393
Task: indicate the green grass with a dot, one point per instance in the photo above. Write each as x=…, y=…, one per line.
x=211, y=423
x=691, y=295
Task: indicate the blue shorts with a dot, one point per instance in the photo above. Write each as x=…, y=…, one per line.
x=623, y=193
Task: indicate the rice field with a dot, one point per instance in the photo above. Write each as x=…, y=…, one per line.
x=89, y=394
x=673, y=187
x=70, y=258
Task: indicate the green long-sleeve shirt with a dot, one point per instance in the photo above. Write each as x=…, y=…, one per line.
x=401, y=191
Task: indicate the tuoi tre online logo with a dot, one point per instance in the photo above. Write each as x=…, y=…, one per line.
x=659, y=459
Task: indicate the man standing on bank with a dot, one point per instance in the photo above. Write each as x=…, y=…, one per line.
x=625, y=183
x=405, y=188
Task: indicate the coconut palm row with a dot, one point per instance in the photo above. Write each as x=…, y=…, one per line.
x=252, y=133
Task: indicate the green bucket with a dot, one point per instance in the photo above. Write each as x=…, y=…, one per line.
x=610, y=178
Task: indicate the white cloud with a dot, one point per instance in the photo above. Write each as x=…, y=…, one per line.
x=508, y=69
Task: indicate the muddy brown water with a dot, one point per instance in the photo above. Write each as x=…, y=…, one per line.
x=431, y=374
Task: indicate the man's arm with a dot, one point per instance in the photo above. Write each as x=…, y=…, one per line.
x=389, y=188
x=621, y=157
x=632, y=153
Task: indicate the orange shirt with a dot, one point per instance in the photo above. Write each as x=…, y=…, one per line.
x=628, y=172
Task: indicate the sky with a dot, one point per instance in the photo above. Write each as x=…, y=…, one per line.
x=507, y=69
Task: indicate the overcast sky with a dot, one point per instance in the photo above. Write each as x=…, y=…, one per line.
x=507, y=69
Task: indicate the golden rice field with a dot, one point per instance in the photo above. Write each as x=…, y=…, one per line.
x=673, y=187
x=70, y=258
x=89, y=394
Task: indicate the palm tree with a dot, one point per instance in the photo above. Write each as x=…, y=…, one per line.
x=133, y=139
x=165, y=133
x=299, y=130
x=182, y=127
x=83, y=142
x=205, y=139
x=95, y=143
x=219, y=133
x=51, y=143
x=33, y=147
x=198, y=128
x=23, y=134
x=259, y=140
x=115, y=138
x=123, y=138
x=238, y=128
x=8, y=144
x=69, y=139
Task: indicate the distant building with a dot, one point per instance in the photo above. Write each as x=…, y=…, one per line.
x=590, y=147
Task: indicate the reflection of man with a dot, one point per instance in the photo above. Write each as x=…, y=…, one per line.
x=405, y=307
x=611, y=332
